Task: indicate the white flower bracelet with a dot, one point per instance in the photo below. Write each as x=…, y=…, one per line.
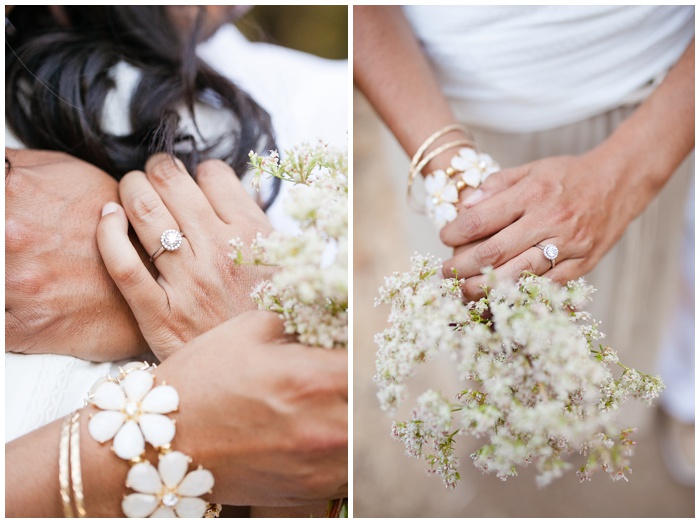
x=133, y=413
x=469, y=168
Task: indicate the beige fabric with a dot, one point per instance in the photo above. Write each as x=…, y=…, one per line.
x=636, y=279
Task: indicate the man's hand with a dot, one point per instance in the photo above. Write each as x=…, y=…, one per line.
x=59, y=297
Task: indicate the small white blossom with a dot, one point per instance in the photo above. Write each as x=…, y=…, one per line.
x=534, y=387
x=236, y=252
x=434, y=411
x=309, y=289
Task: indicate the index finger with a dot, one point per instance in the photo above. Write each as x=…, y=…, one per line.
x=495, y=183
x=483, y=220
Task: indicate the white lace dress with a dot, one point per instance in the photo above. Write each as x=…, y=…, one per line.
x=307, y=98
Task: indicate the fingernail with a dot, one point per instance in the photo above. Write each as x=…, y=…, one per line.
x=109, y=208
x=474, y=198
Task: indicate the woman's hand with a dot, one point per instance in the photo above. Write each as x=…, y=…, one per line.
x=59, y=297
x=581, y=204
x=198, y=286
x=267, y=417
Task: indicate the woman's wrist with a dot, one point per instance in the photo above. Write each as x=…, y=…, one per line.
x=442, y=160
x=32, y=470
x=134, y=417
x=103, y=473
x=466, y=169
x=637, y=169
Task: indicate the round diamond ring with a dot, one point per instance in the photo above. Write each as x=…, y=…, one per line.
x=170, y=240
x=550, y=252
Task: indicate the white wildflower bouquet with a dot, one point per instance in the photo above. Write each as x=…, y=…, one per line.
x=536, y=386
x=310, y=288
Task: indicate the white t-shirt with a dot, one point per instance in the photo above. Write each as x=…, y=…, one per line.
x=530, y=68
x=307, y=98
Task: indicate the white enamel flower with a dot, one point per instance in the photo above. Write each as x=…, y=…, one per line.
x=132, y=413
x=475, y=167
x=442, y=195
x=166, y=492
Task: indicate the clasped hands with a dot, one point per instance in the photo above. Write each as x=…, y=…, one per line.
x=582, y=204
x=197, y=287
x=67, y=267
x=267, y=416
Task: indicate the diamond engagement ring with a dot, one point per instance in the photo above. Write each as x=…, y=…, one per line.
x=550, y=252
x=170, y=240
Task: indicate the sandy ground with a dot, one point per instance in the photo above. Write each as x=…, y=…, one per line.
x=389, y=484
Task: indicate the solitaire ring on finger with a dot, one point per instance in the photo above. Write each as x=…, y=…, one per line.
x=550, y=252
x=170, y=240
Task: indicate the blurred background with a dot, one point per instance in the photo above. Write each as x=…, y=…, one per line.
x=387, y=483
x=317, y=29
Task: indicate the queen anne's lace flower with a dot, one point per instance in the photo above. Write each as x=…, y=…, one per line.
x=132, y=413
x=535, y=387
x=309, y=289
x=166, y=491
x=442, y=195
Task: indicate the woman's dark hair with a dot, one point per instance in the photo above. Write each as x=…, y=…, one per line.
x=57, y=76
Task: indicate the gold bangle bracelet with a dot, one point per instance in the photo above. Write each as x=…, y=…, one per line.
x=431, y=139
x=437, y=152
x=214, y=510
x=63, y=468
x=75, y=469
